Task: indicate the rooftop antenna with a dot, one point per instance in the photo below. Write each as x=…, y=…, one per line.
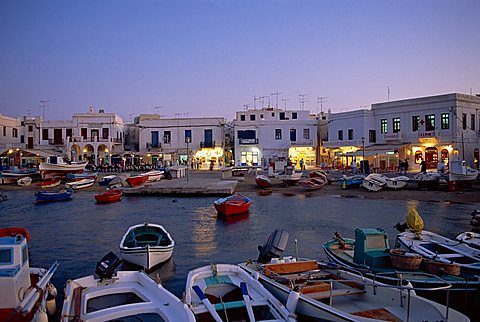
x=276, y=97
x=44, y=104
x=262, y=99
x=302, y=100
x=255, y=99
x=284, y=100
x=320, y=100
x=29, y=110
x=246, y=106
x=157, y=108
x=388, y=93
x=177, y=115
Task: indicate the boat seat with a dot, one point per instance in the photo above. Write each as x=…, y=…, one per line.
x=229, y=305
x=334, y=293
x=378, y=314
x=289, y=268
x=218, y=279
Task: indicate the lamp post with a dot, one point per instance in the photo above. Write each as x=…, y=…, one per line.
x=363, y=155
x=187, y=140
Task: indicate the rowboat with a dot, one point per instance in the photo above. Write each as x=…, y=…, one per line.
x=154, y=175
x=315, y=183
x=24, y=181
x=109, y=196
x=80, y=184
x=7, y=176
x=232, y=205
x=146, y=245
x=48, y=183
x=48, y=196
x=56, y=166
x=427, y=180
x=470, y=238
x=225, y=292
x=83, y=175
x=17, y=277
x=351, y=181
x=137, y=180
x=263, y=181
x=127, y=296
x=374, y=182
x=397, y=182
x=105, y=181
x=317, y=291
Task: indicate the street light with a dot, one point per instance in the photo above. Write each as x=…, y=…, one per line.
x=187, y=140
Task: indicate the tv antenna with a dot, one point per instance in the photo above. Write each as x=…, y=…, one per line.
x=302, y=100
x=320, y=100
x=44, y=105
x=284, y=100
x=276, y=98
x=157, y=108
x=246, y=106
x=262, y=100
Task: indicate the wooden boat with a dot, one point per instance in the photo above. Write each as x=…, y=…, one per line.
x=461, y=172
x=347, y=182
x=399, y=182
x=263, y=181
x=80, y=184
x=441, y=249
x=232, y=205
x=317, y=173
x=315, y=183
x=23, y=182
x=127, y=296
x=320, y=292
x=374, y=182
x=224, y=292
x=470, y=238
x=56, y=166
x=17, y=277
x=154, y=175
x=109, y=196
x=137, y=180
x=8, y=177
x=147, y=245
x=105, y=181
x=50, y=196
x=289, y=179
x=83, y=175
x=48, y=184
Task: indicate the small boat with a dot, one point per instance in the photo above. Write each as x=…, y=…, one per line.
x=7, y=176
x=154, y=175
x=320, y=292
x=232, y=205
x=109, y=196
x=317, y=173
x=263, y=181
x=23, y=182
x=374, y=182
x=56, y=166
x=225, y=292
x=80, y=184
x=146, y=245
x=125, y=296
x=27, y=293
x=399, y=182
x=347, y=182
x=51, y=196
x=427, y=180
x=315, y=183
x=137, y=180
x=105, y=181
x=470, y=238
x=461, y=172
x=48, y=184
x=83, y=175
x=289, y=178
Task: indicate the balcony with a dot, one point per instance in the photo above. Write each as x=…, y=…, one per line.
x=207, y=144
x=93, y=139
x=247, y=141
x=151, y=146
x=302, y=143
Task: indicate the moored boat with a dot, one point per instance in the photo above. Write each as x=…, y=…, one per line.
x=7, y=176
x=347, y=182
x=374, y=182
x=470, y=238
x=48, y=184
x=105, y=181
x=27, y=293
x=427, y=180
x=263, y=181
x=399, y=182
x=55, y=166
x=83, y=175
x=23, y=182
x=50, y=196
x=232, y=205
x=154, y=175
x=314, y=183
x=225, y=292
x=80, y=184
x=146, y=245
x=137, y=180
x=109, y=196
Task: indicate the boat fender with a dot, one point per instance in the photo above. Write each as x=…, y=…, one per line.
x=41, y=316
x=51, y=299
x=292, y=301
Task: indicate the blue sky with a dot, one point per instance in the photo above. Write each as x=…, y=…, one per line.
x=210, y=58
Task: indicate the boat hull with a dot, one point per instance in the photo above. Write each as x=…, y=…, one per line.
x=54, y=170
x=147, y=257
x=44, y=197
x=48, y=184
x=263, y=182
x=232, y=205
x=137, y=181
x=84, y=183
x=109, y=196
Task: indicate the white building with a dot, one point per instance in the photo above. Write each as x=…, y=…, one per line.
x=173, y=139
x=270, y=134
x=10, y=136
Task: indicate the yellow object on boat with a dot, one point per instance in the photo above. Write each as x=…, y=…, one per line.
x=414, y=221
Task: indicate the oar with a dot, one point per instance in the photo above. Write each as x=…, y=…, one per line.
x=206, y=302
x=247, y=301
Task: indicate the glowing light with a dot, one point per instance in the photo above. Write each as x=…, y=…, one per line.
x=450, y=148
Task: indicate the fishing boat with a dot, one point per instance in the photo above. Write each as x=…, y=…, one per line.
x=398, y=182
x=427, y=180
x=27, y=293
x=146, y=245
x=23, y=182
x=320, y=292
x=225, y=292
x=154, y=175
x=374, y=182
x=458, y=171
x=232, y=205
x=48, y=184
x=50, y=196
x=12, y=176
x=263, y=181
x=105, y=181
x=55, y=166
x=83, y=175
x=109, y=196
x=80, y=184
x=289, y=176
x=470, y=238
x=315, y=183
x=124, y=296
x=347, y=182
x=137, y=180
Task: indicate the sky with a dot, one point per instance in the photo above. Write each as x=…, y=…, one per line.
x=200, y=58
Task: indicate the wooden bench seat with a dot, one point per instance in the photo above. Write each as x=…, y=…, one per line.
x=289, y=268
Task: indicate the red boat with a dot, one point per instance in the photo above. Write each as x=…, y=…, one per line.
x=48, y=183
x=232, y=205
x=139, y=180
x=263, y=181
x=109, y=196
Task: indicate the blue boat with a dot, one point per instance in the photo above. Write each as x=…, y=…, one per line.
x=105, y=181
x=351, y=182
x=83, y=175
x=46, y=196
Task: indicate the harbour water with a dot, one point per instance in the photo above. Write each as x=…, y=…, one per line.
x=78, y=233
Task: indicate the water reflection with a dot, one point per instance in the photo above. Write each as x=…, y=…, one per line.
x=204, y=232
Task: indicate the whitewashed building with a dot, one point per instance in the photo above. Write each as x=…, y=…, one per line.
x=270, y=134
x=10, y=136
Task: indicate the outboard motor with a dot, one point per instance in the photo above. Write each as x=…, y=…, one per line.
x=274, y=247
x=107, y=265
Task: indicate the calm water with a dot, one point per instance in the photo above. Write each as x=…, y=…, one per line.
x=78, y=233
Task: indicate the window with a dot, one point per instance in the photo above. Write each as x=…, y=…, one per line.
x=242, y=117
x=246, y=134
x=273, y=114
x=94, y=133
x=188, y=136
x=282, y=116
x=22, y=138
x=472, y=122
x=167, y=137
x=68, y=133
x=340, y=135
x=430, y=122
x=4, y=130
x=445, y=119
x=261, y=116
x=154, y=143
x=306, y=134
x=278, y=134
x=30, y=128
x=418, y=157
x=383, y=126
x=84, y=133
x=252, y=117
x=464, y=121
x=294, y=115
x=15, y=133
x=44, y=134
x=350, y=134
x=293, y=135
x=105, y=133
x=6, y=256
x=396, y=125
x=372, y=136
x=415, y=123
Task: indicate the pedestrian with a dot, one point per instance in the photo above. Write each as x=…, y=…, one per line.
x=423, y=166
x=302, y=165
x=405, y=166
x=354, y=167
x=401, y=167
x=441, y=167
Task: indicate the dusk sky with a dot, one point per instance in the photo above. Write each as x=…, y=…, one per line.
x=210, y=58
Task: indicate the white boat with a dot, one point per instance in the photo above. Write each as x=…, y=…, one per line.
x=80, y=184
x=470, y=238
x=147, y=245
x=26, y=181
x=225, y=292
x=374, y=182
x=460, y=172
x=289, y=175
x=427, y=179
x=26, y=293
x=441, y=249
x=7, y=177
x=397, y=182
x=56, y=166
x=128, y=296
x=154, y=175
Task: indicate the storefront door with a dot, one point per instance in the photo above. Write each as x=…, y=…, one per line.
x=431, y=157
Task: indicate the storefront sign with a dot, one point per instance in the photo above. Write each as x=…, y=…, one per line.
x=394, y=136
x=426, y=134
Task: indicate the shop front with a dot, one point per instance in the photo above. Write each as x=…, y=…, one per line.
x=307, y=154
x=203, y=157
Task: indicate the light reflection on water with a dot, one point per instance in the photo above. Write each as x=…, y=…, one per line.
x=79, y=232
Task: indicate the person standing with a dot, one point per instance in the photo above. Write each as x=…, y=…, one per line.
x=302, y=165
x=405, y=166
x=354, y=167
x=423, y=166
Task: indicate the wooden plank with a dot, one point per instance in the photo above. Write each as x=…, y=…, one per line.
x=289, y=268
x=315, y=288
x=378, y=314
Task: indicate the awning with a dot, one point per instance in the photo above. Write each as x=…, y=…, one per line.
x=384, y=148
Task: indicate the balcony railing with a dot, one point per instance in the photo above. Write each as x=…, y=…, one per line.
x=93, y=139
x=248, y=141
